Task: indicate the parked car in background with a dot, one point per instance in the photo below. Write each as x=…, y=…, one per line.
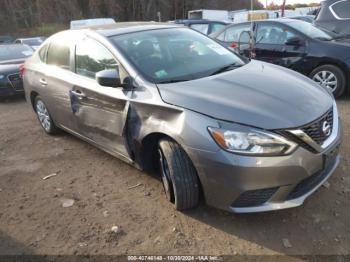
x=5, y=39
x=298, y=45
x=76, y=24
x=306, y=18
x=11, y=58
x=206, y=27
x=33, y=42
x=250, y=135
x=334, y=16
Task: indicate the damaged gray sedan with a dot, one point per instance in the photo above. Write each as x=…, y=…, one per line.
x=246, y=136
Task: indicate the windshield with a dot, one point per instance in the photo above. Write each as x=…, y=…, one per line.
x=32, y=42
x=10, y=52
x=177, y=54
x=310, y=30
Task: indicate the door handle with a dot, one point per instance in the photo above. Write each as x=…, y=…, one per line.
x=43, y=82
x=77, y=93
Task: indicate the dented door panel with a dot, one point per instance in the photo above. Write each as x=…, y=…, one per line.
x=101, y=114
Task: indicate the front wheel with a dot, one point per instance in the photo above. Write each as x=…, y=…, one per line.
x=179, y=176
x=330, y=77
x=44, y=117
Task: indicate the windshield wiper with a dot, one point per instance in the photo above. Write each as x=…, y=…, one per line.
x=173, y=81
x=225, y=68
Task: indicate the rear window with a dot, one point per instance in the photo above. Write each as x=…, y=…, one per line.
x=341, y=9
x=10, y=52
x=59, y=55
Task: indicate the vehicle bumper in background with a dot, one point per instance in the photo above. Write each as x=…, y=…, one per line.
x=244, y=184
x=11, y=86
x=8, y=91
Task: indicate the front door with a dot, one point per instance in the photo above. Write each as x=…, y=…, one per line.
x=100, y=111
x=270, y=45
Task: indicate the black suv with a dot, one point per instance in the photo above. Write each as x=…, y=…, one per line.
x=298, y=45
x=334, y=16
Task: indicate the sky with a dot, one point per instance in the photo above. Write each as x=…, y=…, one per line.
x=291, y=1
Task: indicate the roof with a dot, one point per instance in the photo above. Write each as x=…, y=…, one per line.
x=127, y=27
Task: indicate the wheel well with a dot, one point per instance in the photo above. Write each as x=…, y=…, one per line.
x=33, y=95
x=149, y=155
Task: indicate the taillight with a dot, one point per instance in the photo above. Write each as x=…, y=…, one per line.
x=233, y=45
x=21, y=70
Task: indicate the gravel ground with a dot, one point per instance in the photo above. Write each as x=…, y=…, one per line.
x=34, y=221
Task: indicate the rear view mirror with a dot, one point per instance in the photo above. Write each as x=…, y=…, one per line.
x=296, y=41
x=109, y=77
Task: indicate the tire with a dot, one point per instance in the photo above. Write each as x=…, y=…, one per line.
x=178, y=171
x=44, y=117
x=322, y=73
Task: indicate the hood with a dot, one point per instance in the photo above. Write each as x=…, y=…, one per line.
x=257, y=94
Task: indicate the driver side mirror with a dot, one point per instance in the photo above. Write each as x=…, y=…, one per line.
x=109, y=77
x=295, y=41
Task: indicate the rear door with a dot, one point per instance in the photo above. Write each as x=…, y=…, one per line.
x=270, y=45
x=54, y=80
x=100, y=111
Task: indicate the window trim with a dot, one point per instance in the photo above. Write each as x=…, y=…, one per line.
x=335, y=13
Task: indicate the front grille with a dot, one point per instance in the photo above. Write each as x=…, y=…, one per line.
x=16, y=81
x=314, y=130
x=254, y=197
x=311, y=182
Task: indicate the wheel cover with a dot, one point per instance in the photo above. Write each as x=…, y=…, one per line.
x=326, y=79
x=165, y=172
x=43, y=115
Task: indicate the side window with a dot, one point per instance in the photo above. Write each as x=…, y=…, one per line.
x=59, y=55
x=92, y=57
x=216, y=27
x=233, y=34
x=341, y=9
x=42, y=53
x=18, y=41
x=273, y=34
x=203, y=28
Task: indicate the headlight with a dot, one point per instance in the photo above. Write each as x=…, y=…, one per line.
x=2, y=76
x=249, y=141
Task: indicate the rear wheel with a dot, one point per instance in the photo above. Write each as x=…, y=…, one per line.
x=179, y=176
x=330, y=77
x=44, y=117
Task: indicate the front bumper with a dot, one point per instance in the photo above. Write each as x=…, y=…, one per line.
x=244, y=184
